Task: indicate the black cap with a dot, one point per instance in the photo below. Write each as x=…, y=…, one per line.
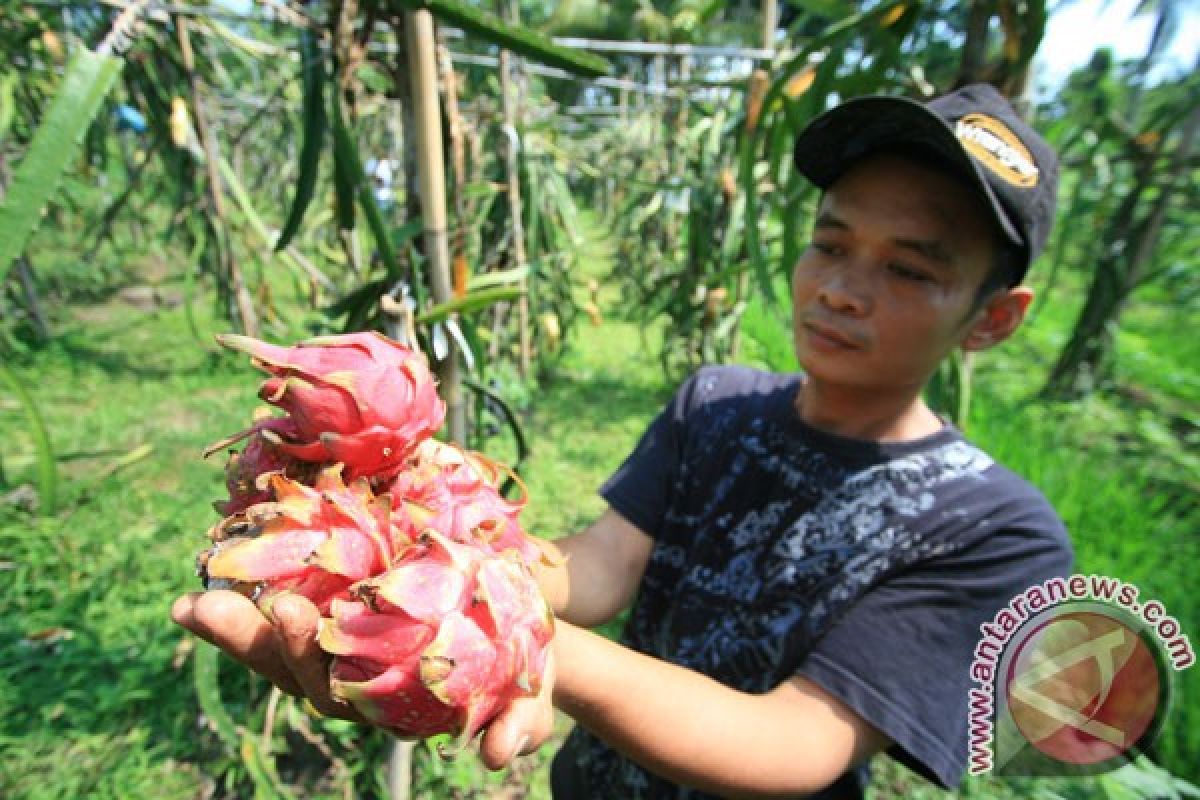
x=980, y=136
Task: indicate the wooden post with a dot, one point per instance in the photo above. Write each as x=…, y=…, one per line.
x=512, y=140
x=458, y=161
x=770, y=21
x=431, y=165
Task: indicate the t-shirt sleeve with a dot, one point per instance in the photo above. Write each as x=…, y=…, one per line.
x=901, y=656
x=640, y=489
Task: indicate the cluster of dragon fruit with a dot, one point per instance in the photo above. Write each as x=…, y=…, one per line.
x=415, y=560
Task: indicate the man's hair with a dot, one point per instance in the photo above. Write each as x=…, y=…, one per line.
x=1006, y=266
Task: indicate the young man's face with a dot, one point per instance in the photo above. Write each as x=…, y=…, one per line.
x=885, y=289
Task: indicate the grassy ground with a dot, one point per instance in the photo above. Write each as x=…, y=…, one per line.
x=96, y=685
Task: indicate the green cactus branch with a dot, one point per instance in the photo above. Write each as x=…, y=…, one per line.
x=521, y=41
x=88, y=79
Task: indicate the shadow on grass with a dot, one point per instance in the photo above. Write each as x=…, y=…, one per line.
x=600, y=400
x=72, y=683
x=118, y=363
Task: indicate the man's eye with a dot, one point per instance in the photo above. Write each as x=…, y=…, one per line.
x=826, y=247
x=910, y=274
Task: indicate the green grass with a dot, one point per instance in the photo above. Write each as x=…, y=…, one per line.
x=96, y=687
x=89, y=648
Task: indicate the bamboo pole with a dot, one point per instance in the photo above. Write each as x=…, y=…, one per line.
x=460, y=272
x=422, y=62
x=512, y=144
x=770, y=21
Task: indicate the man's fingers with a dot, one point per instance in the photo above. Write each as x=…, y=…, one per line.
x=521, y=728
x=296, y=623
x=233, y=623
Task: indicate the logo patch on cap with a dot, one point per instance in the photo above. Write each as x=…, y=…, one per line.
x=991, y=142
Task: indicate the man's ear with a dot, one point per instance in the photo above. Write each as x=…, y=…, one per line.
x=1000, y=316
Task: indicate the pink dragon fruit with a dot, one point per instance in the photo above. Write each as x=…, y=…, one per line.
x=360, y=399
x=417, y=563
x=454, y=491
x=315, y=541
x=441, y=641
x=247, y=472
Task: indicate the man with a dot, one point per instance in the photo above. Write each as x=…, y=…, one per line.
x=811, y=555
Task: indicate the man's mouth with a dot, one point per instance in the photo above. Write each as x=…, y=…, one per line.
x=830, y=336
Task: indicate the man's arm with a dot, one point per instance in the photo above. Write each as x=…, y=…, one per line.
x=793, y=740
x=678, y=723
x=593, y=575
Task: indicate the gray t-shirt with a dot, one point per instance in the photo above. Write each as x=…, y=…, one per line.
x=783, y=550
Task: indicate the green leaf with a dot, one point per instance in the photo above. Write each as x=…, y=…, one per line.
x=246, y=205
x=374, y=79
x=343, y=189
x=824, y=8
x=471, y=302
x=261, y=769
x=519, y=40
x=498, y=278
x=358, y=302
x=313, y=68
x=88, y=79
x=478, y=189
x=47, y=468
x=408, y=231
x=705, y=11
x=754, y=246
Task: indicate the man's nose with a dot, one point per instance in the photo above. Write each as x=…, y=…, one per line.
x=846, y=291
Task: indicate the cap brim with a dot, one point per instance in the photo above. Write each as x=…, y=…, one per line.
x=838, y=138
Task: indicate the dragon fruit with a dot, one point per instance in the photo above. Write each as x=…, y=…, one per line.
x=360, y=399
x=416, y=561
x=441, y=641
x=247, y=472
x=315, y=541
x=455, y=492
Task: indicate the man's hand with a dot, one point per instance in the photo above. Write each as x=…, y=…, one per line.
x=283, y=649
